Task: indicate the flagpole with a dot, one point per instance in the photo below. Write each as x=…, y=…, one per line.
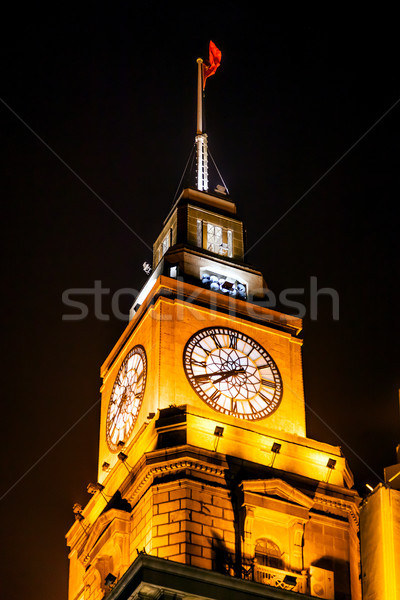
x=201, y=138
x=199, y=96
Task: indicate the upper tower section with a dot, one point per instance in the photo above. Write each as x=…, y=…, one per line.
x=202, y=241
x=205, y=221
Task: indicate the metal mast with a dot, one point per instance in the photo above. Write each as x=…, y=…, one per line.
x=201, y=137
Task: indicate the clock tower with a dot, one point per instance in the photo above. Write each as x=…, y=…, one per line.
x=207, y=484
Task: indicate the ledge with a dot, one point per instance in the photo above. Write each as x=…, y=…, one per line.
x=148, y=575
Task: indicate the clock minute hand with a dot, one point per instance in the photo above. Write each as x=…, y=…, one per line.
x=224, y=374
x=228, y=374
x=121, y=404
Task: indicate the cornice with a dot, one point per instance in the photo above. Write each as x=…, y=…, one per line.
x=348, y=506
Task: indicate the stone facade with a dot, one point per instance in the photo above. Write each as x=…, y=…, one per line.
x=247, y=502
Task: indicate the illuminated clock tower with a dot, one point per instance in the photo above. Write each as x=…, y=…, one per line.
x=207, y=485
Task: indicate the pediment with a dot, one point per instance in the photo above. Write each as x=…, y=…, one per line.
x=277, y=488
x=99, y=530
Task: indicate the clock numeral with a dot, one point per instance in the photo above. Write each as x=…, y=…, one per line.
x=264, y=397
x=215, y=396
x=203, y=378
x=253, y=410
x=205, y=350
x=199, y=363
x=233, y=341
x=267, y=383
x=216, y=341
x=233, y=405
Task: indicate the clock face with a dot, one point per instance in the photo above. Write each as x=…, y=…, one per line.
x=232, y=373
x=126, y=398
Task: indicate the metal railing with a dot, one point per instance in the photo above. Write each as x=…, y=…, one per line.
x=286, y=580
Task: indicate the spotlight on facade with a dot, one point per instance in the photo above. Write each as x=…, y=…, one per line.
x=122, y=457
x=92, y=488
x=275, y=449
x=331, y=464
x=369, y=487
x=77, y=510
x=218, y=432
x=110, y=580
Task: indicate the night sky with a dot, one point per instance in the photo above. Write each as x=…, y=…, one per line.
x=112, y=93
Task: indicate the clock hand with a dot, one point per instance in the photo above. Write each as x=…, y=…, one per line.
x=121, y=404
x=224, y=374
x=228, y=374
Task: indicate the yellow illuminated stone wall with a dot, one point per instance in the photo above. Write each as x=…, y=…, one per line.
x=380, y=544
x=175, y=502
x=164, y=331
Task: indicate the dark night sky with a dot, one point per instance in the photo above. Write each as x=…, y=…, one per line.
x=112, y=92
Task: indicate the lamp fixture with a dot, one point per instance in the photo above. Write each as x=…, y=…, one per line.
x=77, y=508
x=275, y=449
x=110, y=580
x=330, y=465
x=218, y=432
x=92, y=488
x=122, y=457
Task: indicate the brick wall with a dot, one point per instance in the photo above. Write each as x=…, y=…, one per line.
x=192, y=523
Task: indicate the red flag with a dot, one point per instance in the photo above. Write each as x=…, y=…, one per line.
x=214, y=62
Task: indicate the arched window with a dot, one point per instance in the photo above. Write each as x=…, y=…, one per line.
x=268, y=554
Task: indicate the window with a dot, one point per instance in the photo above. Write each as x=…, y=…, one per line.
x=215, y=238
x=165, y=244
x=267, y=553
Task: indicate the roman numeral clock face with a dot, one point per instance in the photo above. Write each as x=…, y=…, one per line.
x=232, y=373
x=126, y=398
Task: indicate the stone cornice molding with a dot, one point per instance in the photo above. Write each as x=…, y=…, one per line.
x=277, y=487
